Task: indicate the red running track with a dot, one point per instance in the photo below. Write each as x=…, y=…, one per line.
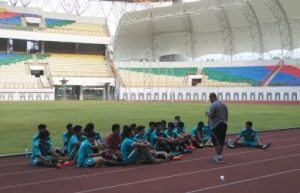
x=247, y=170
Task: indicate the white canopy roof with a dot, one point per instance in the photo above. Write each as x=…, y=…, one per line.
x=209, y=27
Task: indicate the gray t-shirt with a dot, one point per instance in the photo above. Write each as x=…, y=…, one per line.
x=218, y=113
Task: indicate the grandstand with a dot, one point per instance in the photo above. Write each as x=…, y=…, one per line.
x=194, y=35
x=164, y=53
x=45, y=56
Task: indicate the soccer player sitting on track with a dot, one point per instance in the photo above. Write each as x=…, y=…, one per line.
x=66, y=136
x=36, y=135
x=186, y=137
x=112, y=143
x=90, y=127
x=159, y=140
x=201, y=135
x=140, y=137
x=132, y=152
x=149, y=131
x=42, y=152
x=250, y=138
x=174, y=142
x=86, y=157
x=75, y=142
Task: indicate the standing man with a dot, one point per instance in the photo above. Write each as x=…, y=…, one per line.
x=217, y=121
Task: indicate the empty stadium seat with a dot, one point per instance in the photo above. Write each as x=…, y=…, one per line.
x=253, y=75
x=287, y=76
x=77, y=65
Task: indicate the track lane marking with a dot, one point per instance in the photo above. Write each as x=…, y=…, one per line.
x=188, y=173
x=134, y=168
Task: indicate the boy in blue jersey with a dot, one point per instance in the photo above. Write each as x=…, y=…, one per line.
x=174, y=141
x=66, y=136
x=164, y=125
x=75, y=142
x=42, y=152
x=140, y=134
x=134, y=128
x=159, y=140
x=149, y=131
x=86, y=157
x=132, y=151
x=201, y=135
x=250, y=138
x=36, y=135
x=186, y=137
x=177, y=119
x=90, y=127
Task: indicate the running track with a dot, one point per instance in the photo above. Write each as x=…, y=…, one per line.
x=276, y=170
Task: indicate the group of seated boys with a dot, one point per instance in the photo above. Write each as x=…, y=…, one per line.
x=85, y=147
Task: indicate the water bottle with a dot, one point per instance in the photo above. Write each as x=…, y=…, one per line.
x=229, y=141
x=26, y=152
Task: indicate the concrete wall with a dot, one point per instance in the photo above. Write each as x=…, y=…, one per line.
x=201, y=93
x=26, y=95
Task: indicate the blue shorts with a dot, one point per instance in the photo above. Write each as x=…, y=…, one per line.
x=36, y=161
x=131, y=158
x=89, y=162
x=250, y=143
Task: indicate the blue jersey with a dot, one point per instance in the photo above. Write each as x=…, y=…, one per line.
x=206, y=131
x=155, y=135
x=147, y=134
x=73, y=140
x=66, y=137
x=138, y=137
x=171, y=133
x=248, y=135
x=181, y=132
x=39, y=149
x=83, y=153
x=126, y=147
x=37, y=137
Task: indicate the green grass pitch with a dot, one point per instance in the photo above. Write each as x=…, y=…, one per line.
x=19, y=120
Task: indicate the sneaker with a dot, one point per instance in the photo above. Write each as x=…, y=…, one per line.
x=265, y=146
x=179, y=157
x=175, y=153
x=69, y=163
x=231, y=146
x=191, y=147
x=217, y=161
x=59, y=166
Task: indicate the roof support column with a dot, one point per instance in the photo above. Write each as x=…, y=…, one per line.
x=283, y=26
x=189, y=31
x=255, y=29
x=226, y=30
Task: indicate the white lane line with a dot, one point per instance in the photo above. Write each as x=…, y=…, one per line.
x=139, y=167
x=246, y=180
x=188, y=173
x=15, y=164
x=26, y=171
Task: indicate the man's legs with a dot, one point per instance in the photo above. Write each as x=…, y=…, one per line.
x=218, y=138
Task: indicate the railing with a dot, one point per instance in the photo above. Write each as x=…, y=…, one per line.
x=53, y=30
x=79, y=74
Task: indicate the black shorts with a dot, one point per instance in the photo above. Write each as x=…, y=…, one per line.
x=218, y=134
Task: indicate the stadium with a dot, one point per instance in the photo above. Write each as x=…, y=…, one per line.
x=136, y=61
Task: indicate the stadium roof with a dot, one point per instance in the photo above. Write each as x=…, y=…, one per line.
x=210, y=27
